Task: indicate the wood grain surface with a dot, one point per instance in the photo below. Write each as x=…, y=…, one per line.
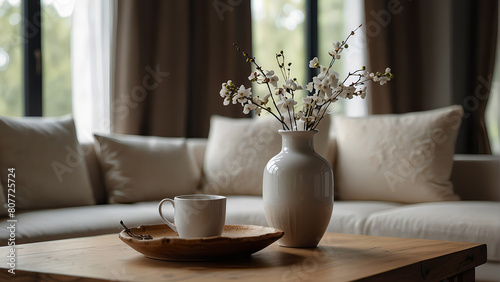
x=339, y=257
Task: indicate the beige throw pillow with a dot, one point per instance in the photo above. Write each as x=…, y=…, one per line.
x=403, y=158
x=146, y=168
x=239, y=149
x=50, y=166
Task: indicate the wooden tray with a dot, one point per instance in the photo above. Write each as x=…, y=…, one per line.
x=236, y=240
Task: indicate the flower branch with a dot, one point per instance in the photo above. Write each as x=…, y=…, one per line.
x=325, y=89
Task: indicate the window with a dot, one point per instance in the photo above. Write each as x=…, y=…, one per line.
x=283, y=25
x=336, y=19
x=279, y=25
x=11, y=63
x=28, y=27
x=56, y=53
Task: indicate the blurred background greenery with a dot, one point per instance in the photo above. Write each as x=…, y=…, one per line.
x=280, y=25
x=56, y=64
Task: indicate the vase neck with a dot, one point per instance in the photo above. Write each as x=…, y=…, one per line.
x=297, y=140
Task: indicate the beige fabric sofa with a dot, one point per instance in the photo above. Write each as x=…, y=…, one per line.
x=475, y=219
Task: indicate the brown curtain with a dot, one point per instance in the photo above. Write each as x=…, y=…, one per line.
x=441, y=52
x=171, y=59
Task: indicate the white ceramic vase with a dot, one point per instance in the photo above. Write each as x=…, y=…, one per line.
x=298, y=190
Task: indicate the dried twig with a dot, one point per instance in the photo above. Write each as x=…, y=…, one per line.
x=135, y=236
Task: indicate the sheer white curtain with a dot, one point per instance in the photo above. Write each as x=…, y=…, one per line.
x=91, y=41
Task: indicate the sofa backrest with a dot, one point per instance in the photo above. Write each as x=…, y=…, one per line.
x=95, y=173
x=475, y=177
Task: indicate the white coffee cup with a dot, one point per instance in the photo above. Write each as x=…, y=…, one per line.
x=197, y=215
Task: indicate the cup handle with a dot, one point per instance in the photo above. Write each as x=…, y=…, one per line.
x=170, y=224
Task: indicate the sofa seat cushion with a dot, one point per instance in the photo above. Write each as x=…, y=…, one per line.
x=247, y=210
x=350, y=216
x=54, y=224
x=465, y=221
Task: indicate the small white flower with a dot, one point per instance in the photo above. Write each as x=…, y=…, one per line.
x=342, y=91
x=324, y=69
x=264, y=100
x=362, y=92
x=318, y=99
x=326, y=89
x=374, y=77
x=274, y=80
x=242, y=95
x=314, y=63
x=336, y=45
x=310, y=86
x=290, y=84
x=350, y=90
x=307, y=102
x=388, y=70
x=254, y=76
x=246, y=92
x=224, y=90
x=333, y=80
x=286, y=104
x=335, y=53
x=248, y=107
x=383, y=80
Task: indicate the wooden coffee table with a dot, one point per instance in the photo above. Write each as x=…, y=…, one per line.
x=339, y=257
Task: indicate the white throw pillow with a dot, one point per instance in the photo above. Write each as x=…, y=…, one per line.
x=50, y=166
x=146, y=168
x=402, y=158
x=239, y=149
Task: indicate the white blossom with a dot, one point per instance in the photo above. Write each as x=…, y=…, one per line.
x=335, y=53
x=291, y=85
x=383, y=80
x=310, y=86
x=242, y=95
x=253, y=76
x=362, y=92
x=318, y=99
x=248, y=107
x=314, y=63
x=307, y=102
x=286, y=104
x=280, y=91
x=274, y=80
x=265, y=99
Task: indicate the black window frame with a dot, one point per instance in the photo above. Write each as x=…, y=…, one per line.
x=312, y=39
x=32, y=57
